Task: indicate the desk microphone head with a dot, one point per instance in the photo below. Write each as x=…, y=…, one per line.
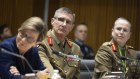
x=123, y=58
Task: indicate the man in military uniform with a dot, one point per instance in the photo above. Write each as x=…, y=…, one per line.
x=111, y=56
x=5, y=32
x=80, y=39
x=55, y=39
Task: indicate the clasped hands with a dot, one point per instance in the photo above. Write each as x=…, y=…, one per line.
x=44, y=74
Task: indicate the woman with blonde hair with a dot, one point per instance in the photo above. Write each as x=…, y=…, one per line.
x=12, y=67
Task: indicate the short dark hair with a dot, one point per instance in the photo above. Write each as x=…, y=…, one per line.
x=66, y=10
x=82, y=23
x=2, y=27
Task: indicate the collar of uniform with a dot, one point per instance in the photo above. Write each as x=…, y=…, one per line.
x=113, y=41
x=56, y=39
x=113, y=44
x=116, y=44
x=79, y=42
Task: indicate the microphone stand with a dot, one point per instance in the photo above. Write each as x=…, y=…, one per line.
x=19, y=56
x=86, y=68
x=28, y=76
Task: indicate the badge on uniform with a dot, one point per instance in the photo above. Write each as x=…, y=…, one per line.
x=72, y=58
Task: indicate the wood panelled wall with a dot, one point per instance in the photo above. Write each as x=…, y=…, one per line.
x=100, y=16
x=53, y=5
x=14, y=12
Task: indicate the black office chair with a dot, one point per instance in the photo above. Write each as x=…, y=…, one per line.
x=138, y=55
x=84, y=72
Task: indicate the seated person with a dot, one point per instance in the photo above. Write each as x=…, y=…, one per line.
x=5, y=32
x=110, y=56
x=12, y=67
x=80, y=38
x=62, y=23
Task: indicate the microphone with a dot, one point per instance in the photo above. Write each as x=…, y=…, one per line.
x=125, y=58
x=19, y=56
x=75, y=58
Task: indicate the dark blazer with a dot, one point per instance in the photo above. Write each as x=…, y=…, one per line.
x=7, y=60
x=87, y=51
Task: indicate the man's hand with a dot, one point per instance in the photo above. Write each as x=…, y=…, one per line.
x=14, y=70
x=43, y=74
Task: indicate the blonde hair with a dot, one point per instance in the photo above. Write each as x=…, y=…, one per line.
x=35, y=24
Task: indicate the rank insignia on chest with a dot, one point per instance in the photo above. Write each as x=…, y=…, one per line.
x=72, y=58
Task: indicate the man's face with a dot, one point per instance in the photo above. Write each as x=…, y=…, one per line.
x=62, y=23
x=7, y=33
x=121, y=32
x=81, y=32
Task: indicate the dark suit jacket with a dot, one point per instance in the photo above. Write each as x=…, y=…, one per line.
x=7, y=60
x=87, y=51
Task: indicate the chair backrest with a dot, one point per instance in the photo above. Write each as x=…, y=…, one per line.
x=85, y=65
x=138, y=55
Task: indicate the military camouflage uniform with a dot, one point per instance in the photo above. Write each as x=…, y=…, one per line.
x=108, y=59
x=68, y=67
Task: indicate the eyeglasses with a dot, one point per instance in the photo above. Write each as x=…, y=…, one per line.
x=28, y=38
x=62, y=20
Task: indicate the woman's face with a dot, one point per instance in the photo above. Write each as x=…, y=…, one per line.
x=121, y=33
x=26, y=39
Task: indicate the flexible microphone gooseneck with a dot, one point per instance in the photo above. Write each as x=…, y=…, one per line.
x=75, y=58
x=125, y=58
x=19, y=56
x=72, y=56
